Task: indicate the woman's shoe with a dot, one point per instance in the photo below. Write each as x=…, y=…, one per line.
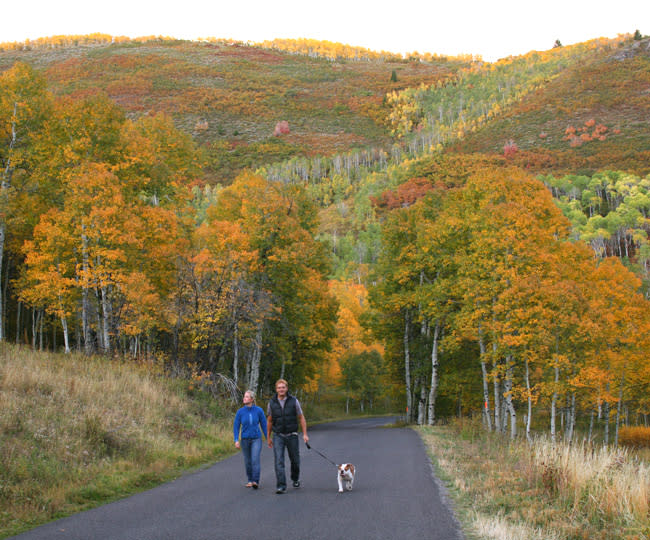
x=250, y=484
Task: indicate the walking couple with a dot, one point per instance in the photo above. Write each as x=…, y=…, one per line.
x=284, y=416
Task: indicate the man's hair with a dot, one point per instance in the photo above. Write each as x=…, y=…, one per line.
x=281, y=381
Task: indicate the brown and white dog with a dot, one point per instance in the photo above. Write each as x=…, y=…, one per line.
x=345, y=473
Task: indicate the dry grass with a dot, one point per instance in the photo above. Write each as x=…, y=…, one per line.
x=76, y=431
x=499, y=528
x=602, y=483
x=519, y=491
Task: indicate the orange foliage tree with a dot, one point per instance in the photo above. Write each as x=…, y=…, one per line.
x=255, y=290
x=491, y=263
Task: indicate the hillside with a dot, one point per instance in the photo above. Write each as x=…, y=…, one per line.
x=594, y=115
x=578, y=107
x=230, y=96
x=76, y=432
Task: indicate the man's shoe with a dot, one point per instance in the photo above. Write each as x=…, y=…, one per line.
x=280, y=491
x=255, y=485
x=296, y=484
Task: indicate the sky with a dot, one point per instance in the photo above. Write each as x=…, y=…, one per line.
x=489, y=28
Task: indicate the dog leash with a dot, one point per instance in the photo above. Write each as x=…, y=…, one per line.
x=321, y=455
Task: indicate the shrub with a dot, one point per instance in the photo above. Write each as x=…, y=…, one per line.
x=634, y=436
x=281, y=128
x=510, y=148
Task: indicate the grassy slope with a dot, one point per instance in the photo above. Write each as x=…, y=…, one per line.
x=76, y=432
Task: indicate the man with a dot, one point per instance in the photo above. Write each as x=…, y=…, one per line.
x=284, y=414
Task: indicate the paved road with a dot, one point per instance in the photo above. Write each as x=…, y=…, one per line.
x=395, y=496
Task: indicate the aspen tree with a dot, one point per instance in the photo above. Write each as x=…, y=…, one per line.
x=24, y=105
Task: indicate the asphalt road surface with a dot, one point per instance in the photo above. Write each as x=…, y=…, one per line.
x=395, y=496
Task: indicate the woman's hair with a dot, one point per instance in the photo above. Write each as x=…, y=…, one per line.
x=252, y=394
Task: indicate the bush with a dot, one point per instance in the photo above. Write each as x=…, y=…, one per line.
x=634, y=436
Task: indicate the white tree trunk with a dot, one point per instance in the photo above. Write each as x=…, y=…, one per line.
x=84, y=293
x=235, y=348
x=554, y=402
x=530, y=402
x=434, y=376
x=106, y=317
x=66, y=340
x=508, y=398
x=486, y=390
x=40, y=330
x=99, y=325
x=407, y=367
x=256, y=357
x=497, y=392
x=571, y=418
x=606, y=417
x=35, y=321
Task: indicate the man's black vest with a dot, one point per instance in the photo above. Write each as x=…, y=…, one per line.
x=284, y=420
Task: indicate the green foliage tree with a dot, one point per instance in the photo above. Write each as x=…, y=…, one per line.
x=24, y=107
x=362, y=377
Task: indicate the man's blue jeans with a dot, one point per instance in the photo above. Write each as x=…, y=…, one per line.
x=290, y=442
x=251, y=448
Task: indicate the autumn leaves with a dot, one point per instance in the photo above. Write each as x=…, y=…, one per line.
x=108, y=234
x=257, y=283
x=117, y=243
x=490, y=262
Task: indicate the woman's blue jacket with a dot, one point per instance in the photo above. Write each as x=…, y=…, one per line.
x=250, y=419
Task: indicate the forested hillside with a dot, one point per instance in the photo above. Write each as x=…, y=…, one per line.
x=443, y=233
x=593, y=116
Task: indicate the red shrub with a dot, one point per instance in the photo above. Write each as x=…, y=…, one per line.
x=510, y=148
x=281, y=128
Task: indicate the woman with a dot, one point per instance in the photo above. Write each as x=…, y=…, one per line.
x=250, y=418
